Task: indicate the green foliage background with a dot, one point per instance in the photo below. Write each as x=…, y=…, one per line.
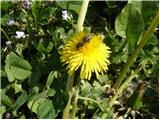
x=33, y=80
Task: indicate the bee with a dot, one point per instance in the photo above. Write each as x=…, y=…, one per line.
x=84, y=40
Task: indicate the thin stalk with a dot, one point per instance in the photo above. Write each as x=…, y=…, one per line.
x=89, y=99
x=66, y=112
x=5, y=34
x=82, y=15
x=69, y=87
x=75, y=107
x=132, y=58
x=123, y=86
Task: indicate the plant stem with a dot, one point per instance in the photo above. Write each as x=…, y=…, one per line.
x=89, y=99
x=66, y=112
x=123, y=86
x=138, y=49
x=82, y=15
x=75, y=108
x=69, y=86
x=5, y=34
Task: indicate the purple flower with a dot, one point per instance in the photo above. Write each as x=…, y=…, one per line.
x=11, y=22
x=8, y=116
x=26, y=2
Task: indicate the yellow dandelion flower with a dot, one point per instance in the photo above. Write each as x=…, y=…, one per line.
x=87, y=52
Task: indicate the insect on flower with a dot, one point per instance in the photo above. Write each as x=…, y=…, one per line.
x=84, y=40
x=92, y=59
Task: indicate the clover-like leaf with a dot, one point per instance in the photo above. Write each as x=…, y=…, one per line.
x=17, y=68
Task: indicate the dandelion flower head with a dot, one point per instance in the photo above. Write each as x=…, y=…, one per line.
x=90, y=56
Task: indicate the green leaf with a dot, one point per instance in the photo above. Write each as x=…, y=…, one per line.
x=52, y=11
x=4, y=19
x=34, y=91
x=152, y=40
x=129, y=25
x=40, y=46
x=51, y=92
x=37, y=99
x=44, y=46
x=135, y=27
x=19, y=48
x=135, y=100
x=86, y=88
x=19, y=102
x=34, y=104
x=19, y=73
x=36, y=5
x=50, y=79
x=121, y=22
x=23, y=15
x=2, y=110
x=17, y=68
x=6, y=100
x=71, y=5
x=147, y=9
x=35, y=76
x=49, y=47
x=22, y=117
x=104, y=79
x=46, y=110
x=5, y=5
x=16, y=61
x=9, y=73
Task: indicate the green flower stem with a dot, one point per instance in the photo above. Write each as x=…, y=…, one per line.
x=66, y=112
x=5, y=34
x=69, y=87
x=82, y=15
x=123, y=86
x=136, y=52
x=75, y=107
